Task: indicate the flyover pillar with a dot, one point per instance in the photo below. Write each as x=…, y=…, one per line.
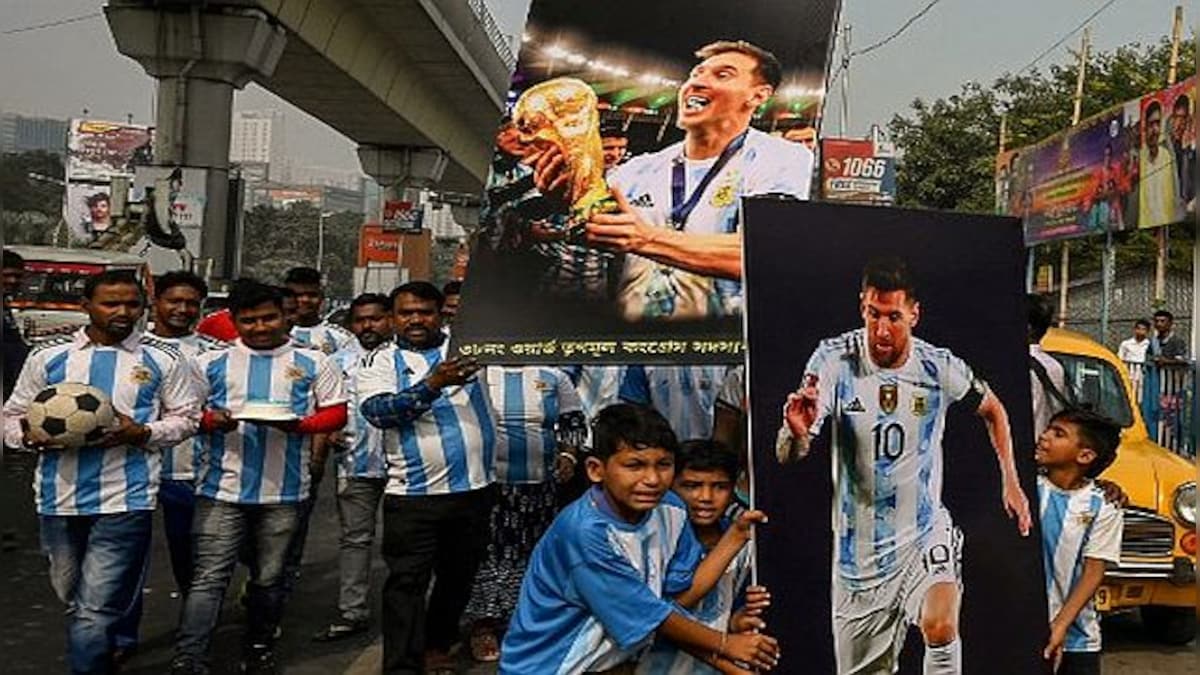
x=199, y=52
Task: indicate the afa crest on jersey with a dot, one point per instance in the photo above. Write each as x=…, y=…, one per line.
x=140, y=375
x=920, y=405
x=889, y=397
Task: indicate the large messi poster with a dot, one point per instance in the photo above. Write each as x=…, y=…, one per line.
x=896, y=505
x=611, y=226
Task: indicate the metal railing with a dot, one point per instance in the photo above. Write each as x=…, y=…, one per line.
x=497, y=36
x=1166, y=395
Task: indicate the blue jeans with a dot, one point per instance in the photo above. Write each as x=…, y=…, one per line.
x=220, y=530
x=97, y=565
x=178, y=499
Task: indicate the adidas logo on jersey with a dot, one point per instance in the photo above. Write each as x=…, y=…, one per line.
x=855, y=406
x=643, y=202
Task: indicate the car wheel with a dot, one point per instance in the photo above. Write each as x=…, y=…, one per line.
x=1170, y=625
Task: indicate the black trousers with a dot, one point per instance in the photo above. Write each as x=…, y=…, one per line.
x=435, y=535
x=1080, y=663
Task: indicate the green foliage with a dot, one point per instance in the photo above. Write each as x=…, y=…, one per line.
x=276, y=240
x=30, y=209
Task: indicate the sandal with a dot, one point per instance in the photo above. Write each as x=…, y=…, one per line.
x=485, y=646
x=339, y=630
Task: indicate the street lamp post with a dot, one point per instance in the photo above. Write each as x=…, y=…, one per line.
x=321, y=237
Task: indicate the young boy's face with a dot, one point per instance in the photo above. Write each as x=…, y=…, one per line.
x=1060, y=445
x=635, y=479
x=706, y=493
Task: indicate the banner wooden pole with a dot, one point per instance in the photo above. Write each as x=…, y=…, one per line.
x=1163, y=235
x=1065, y=260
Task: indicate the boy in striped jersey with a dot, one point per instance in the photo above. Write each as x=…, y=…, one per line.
x=255, y=473
x=439, y=436
x=897, y=556
x=310, y=331
x=96, y=503
x=619, y=563
x=361, y=471
x=1081, y=532
x=704, y=480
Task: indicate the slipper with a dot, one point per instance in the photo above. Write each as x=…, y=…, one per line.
x=340, y=630
x=485, y=646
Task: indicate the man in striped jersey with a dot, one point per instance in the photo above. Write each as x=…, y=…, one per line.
x=96, y=504
x=897, y=550
x=255, y=472
x=685, y=395
x=1081, y=532
x=362, y=471
x=440, y=440
x=310, y=331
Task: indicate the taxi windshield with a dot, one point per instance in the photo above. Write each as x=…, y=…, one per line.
x=1096, y=384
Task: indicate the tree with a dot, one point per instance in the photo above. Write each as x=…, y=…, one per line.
x=275, y=240
x=947, y=148
x=30, y=209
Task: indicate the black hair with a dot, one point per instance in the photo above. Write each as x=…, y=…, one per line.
x=1182, y=101
x=889, y=274
x=637, y=426
x=179, y=278
x=304, y=276
x=96, y=198
x=706, y=455
x=370, y=299
x=285, y=292
x=1153, y=105
x=1040, y=316
x=612, y=129
x=769, y=70
x=1142, y=322
x=1165, y=314
x=452, y=288
x=12, y=259
x=1097, y=432
x=249, y=294
x=418, y=289
x=110, y=278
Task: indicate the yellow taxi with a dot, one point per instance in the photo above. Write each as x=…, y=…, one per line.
x=1157, y=572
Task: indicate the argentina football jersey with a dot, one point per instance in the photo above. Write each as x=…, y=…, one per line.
x=528, y=402
x=324, y=337
x=887, y=427
x=685, y=395
x=363, y=456
x=258, y=463
x=146, y=379
x=179, y=462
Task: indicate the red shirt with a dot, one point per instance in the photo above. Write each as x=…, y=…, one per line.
x=218, y=325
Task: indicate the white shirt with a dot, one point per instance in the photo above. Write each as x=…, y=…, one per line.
x=1044, y=405
x=1133, y=350
x=324, y=337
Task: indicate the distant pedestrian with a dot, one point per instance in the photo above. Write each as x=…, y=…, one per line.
x=1166, y=346
x=1133, y=351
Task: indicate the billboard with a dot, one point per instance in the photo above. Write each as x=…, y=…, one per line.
x=857, y=171
x=890, y=501
x=402, y=216
x=96, y=152
x=1131, y=166
x=610, y=227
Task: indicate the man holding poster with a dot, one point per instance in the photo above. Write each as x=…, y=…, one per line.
x=897, y=551
x=677, y=208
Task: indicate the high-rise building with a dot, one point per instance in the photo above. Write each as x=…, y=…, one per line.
x=20, y=133
x=259, y=137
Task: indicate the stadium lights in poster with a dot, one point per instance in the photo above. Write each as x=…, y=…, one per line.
x=897, y=485
x=610, y=231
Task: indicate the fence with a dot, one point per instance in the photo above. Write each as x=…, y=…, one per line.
x=1166, y=395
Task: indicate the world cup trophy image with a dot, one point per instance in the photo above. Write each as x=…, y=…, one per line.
x=562, y=113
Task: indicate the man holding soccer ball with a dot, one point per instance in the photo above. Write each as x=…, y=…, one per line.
x=95, y=503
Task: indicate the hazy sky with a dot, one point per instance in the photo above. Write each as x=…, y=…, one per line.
x=62, y=70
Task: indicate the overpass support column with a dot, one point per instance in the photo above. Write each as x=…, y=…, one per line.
x=402, y=171
x=199, y=52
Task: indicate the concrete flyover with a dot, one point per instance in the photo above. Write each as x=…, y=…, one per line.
x=396, y=74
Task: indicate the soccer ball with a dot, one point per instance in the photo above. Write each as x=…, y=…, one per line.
x=73, y=415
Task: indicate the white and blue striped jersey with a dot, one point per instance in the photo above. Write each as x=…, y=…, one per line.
x=528, y=402
x=685, y=395
x=597, y=587
x=448, y=448
x=179, y=461
x=887, y=429
x=598, y=386
x=324, y=337
x=764, y=165
x=713, y=610
x=363, y=456
x=147, y=380
x=1076, y=524
x=258, y=463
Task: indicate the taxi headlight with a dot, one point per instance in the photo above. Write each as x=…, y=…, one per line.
x=1184, y=503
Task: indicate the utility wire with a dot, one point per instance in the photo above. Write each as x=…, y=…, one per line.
x=52, y=24
x=895, y=34
x=1067, y=36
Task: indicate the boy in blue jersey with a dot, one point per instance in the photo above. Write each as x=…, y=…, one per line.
x=617, y=564
x=705, y=482
x=897, y=552
x=255, y=475
x=1081, y=533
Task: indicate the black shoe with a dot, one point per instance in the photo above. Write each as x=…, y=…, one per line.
x=186, y=665
x=341, y=629
x=259, y=660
